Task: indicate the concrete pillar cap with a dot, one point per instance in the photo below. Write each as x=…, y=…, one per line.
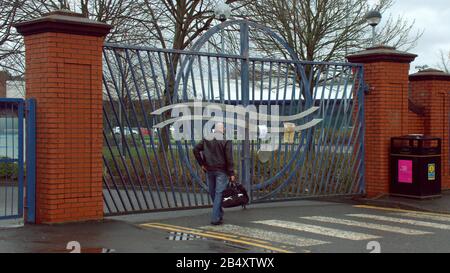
x=63, y=21
x=430, y=74
x=381, y=53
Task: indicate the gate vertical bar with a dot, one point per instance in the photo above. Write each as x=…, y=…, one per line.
x=20, y=116
x=31, y=161
x=244, y=35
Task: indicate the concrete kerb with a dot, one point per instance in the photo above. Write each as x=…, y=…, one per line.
x=389, y=201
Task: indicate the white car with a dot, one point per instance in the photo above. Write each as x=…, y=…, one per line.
x=126, y=131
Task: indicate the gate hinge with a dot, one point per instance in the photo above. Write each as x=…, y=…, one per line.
x=367, y=89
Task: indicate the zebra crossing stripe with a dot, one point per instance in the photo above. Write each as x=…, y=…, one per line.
x=342, y=234
x=393, y=229
x=266, y=235
x=444, y=218
x=402, y=221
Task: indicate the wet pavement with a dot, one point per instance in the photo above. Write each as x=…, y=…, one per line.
x=122, y=234
x=100, y=237
x=300, y=226
x=321, y=227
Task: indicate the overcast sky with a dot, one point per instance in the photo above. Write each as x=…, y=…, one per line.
x=432, y=16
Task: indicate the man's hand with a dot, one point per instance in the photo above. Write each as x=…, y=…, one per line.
x=233, y=179
x=204, y=168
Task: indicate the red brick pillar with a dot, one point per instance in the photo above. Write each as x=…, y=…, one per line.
x=431, y=89
x=64, y=75
x=3, y=78
x=386, y=108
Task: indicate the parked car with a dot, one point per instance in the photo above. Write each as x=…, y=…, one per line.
x=145, y=131
x=126, y=131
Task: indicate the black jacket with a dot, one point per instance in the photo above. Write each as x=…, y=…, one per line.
x=215, y=155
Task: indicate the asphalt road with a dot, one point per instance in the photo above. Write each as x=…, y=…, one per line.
x=301, y=226
x=325, y=227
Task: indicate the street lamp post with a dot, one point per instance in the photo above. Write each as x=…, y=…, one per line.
x=222, y=13
x=373, y=18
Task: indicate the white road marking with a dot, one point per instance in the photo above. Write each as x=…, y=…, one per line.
x=343, y=234
x=266, y=235
x=394, y=229
x=402, y=221
x=444, y=218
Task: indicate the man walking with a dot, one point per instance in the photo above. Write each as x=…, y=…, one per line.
x=216, y=159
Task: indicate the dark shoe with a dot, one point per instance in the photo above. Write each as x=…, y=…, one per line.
x=217, y=223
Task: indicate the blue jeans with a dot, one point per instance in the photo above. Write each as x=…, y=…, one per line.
x=217, y=182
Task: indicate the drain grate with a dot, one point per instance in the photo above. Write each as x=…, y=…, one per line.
x=181, y=236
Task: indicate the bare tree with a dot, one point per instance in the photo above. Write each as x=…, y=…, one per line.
x=10, y=42
x=319, y=30
x=326, y=30
x=127, y=17
x=323, y=30
x=177, y=25
x=444, y=61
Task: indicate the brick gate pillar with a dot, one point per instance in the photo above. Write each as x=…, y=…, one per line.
x=64, y=75
x=431, y=90
x=386, y=73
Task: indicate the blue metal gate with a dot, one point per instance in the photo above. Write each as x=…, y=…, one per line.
x=148, y=168
x=17, y=147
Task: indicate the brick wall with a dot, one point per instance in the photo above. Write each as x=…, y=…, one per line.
x=430, y=88
x=64, y=75
x=416, y=118
x=386, y=110
x=415, y=123
x=399, y=104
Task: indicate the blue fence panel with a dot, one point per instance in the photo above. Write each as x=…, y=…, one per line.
x=15, y=115
x=11, y=167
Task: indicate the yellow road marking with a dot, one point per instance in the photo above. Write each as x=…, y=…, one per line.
x=399, y=210
x=241, y=237
x=220, y=234
x=186, y=229
x=208, y=235
x=234, y=236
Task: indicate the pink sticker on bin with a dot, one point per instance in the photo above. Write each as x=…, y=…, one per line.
x=405, y=171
